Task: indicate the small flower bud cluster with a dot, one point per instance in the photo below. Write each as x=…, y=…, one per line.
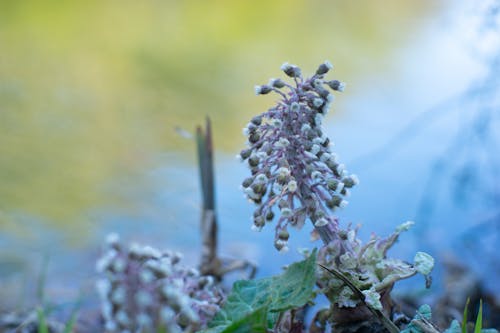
x=366, y=266
x=294, y=174
x=146, y=290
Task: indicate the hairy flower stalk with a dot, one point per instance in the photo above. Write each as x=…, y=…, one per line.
x=295, y=177
x=146, y=290
x=294, y=174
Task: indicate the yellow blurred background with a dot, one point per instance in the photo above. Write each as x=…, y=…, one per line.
x=91, y=91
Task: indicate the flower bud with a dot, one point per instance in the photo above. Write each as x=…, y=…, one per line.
x=257, y=120
x=332, y=184
x=254, y=137
x=253, y=161
x=318, y=119
x=324, y=68
x=322, y=92
x=342, y=234
x=259, y=188
x=245, y=153
x=291, y=70
x=247, y=182
x=339, y=170
x=305, y=128
x=262, y=90
x=295, y=107
x=113, y=241
x=317, y=83
x=283, y=204
x=334, y=201
x=350, y=181
x=315, y=149
x=336, y=85
x=276, y=83
x=286, y=212
x=321, y=222
x=282, y=143
x=279, y=245
x=292, y=186
x=118, y=295
x=251, y=128
x=331, y=164
x=283, y=234
x=318, y=102
x=281, y=179
x=316, y=175
x=276, y=122
x=319, y=214
x=258, y=221
x=326, y=143
x=261, y=178
x=257, y=200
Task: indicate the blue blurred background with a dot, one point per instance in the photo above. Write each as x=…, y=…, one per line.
x=97, y=101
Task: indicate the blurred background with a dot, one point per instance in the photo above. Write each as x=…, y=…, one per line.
x=98, y=102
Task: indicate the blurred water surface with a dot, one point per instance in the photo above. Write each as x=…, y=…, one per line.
x=91, y=95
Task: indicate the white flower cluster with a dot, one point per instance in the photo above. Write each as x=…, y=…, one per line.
x=144, y=290
x=289, y=156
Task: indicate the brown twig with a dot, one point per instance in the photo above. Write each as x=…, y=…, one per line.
x=211, y=263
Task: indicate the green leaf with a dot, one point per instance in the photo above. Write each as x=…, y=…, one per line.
x=42, y=323
x=479, y=319
x=254, y=322
x=464, y=320
x=253, y=305
x=68, y=328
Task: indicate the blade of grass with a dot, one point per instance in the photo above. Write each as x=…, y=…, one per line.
x=40, y=286
x=74, y=314
x=479, y=320
x=464, y=319
x=42, y=323
x=70, y=324
x=68, y=328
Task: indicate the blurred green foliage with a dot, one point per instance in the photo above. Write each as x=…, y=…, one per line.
x=90, y=91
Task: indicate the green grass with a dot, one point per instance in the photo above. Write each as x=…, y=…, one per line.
x=479, y=320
